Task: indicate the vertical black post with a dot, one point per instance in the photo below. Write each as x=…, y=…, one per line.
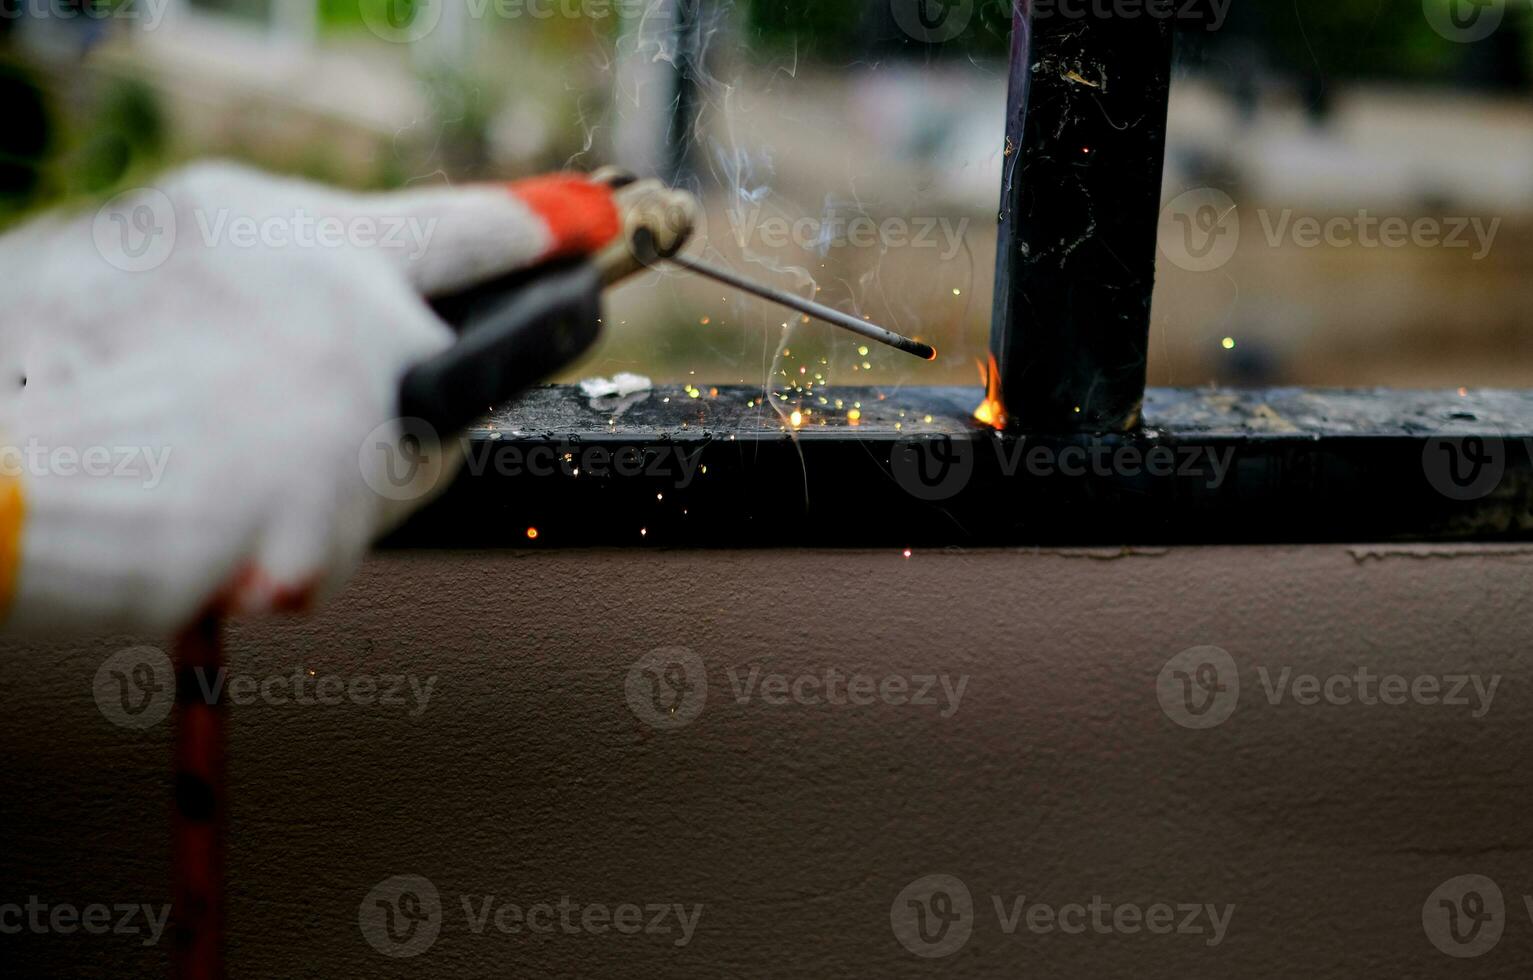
x=1080, y=196
x=684, y=111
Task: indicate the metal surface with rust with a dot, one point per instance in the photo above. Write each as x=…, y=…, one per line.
x=684, y=466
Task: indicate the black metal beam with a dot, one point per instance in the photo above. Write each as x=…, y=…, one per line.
x=1075, y=263
x=714, y=467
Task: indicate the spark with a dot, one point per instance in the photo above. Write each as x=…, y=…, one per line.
x=532, y=534
x=1228, y=343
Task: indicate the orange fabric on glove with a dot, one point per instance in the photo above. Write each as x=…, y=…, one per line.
x=581, y=215
x=13, y=512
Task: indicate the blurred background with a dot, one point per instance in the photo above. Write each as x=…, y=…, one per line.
x=850, y=149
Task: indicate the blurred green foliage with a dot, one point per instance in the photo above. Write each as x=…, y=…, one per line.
x=1340, y=39
x=47, y=157
x=844, y=30
x=1367, y=39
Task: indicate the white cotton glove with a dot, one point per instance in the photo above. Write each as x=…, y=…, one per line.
x=211, y=365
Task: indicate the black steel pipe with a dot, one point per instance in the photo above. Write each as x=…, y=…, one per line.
x=1080, y=193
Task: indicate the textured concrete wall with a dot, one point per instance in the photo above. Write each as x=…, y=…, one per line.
x=537, y=771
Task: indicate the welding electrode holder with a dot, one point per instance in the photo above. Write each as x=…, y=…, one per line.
x=516, y=330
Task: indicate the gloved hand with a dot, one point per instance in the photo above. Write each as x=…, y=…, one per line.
x=198, y=384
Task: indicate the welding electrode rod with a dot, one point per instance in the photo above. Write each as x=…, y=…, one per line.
x=817, y=310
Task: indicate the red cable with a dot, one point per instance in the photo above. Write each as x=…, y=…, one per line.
x=197, y=850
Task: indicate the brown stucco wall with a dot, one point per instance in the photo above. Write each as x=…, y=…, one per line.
x=1059, y=776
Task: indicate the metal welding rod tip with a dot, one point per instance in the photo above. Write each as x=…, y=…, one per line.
x=872, y=331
